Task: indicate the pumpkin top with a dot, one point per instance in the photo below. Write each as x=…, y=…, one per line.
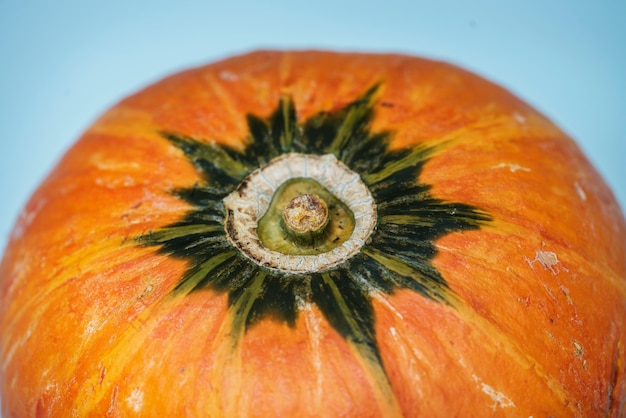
x=264, y=224
x=469, y=248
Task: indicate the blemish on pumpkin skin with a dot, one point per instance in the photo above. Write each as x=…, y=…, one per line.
x=512, y=167
x=118, y=182
x=524, y=301
x=103, y=372
x=14, y=347
x=578, y=349
x=135, y=400
x=228, y=76
x=91, y=327
x=579, y=352
x=547, y=259
x=379, y=297
x=27, y=216
x=551, y=295
x=553, y=338
x=521, y=119
x=146, y=291
x=101, y=162
x=580, y=191
x=113, y=403
x=565, y=291
x=499, y=398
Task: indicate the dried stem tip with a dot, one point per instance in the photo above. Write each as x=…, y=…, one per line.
x=306, y=214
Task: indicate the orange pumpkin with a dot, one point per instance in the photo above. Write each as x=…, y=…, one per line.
x=469, y=260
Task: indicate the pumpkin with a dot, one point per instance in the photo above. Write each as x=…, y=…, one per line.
x=317, y=234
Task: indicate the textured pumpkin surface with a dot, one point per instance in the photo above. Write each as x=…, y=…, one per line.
x=494, y=283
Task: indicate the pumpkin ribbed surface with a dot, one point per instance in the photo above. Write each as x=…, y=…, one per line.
x=473, y=262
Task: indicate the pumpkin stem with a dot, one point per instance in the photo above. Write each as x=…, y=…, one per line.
x=305, y=218
x=286, y=214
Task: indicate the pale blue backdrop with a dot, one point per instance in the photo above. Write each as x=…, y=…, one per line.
x=64, y=62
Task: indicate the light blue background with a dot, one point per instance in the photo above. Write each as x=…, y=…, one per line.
x=62, y=63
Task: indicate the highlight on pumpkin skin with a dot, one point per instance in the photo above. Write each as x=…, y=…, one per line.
x=380, y=236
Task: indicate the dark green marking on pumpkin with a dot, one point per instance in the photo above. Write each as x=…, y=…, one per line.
x=398, y=255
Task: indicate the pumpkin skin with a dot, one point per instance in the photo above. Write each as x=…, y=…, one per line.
x=532, y=321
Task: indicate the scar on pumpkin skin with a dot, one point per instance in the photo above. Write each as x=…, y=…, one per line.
x=580, y=191
x=499, y=399
x=547, y=259
x=512, y=167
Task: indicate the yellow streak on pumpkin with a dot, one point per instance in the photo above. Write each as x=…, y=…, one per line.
x=226, y=374
x=511, y=230
x=126, y=346
x=45, y=297
x=507, y=346
x=499, y=338
x=87, y=259
x=313, y=326
x=374, y=371
x=125, y=121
